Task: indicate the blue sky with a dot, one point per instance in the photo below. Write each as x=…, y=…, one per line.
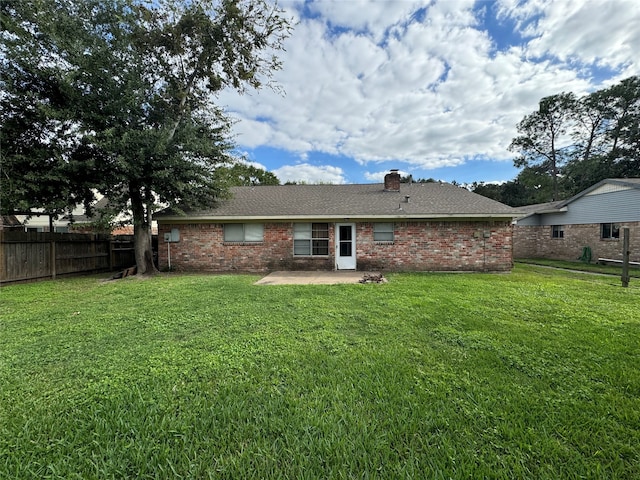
x=432, y=88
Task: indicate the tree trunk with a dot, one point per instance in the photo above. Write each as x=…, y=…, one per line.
x=141, y=233
x=554, y=166
x=143, y=249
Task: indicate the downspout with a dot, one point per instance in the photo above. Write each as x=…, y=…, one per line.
x=169, y=254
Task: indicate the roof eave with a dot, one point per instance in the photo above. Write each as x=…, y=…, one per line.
x=345, y=217
x=542, y=212
x=613, y=181
x=552, y=210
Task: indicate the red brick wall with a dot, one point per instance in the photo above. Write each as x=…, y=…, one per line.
x=202, y=248
x=437, y=246
x=536, y=242
x=417, y=246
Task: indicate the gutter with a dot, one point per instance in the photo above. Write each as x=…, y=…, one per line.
x=341, y=218
x=542, y=212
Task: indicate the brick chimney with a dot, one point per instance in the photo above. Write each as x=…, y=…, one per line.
x=392, y=181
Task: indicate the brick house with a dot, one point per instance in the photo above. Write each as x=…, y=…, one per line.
x=387, y=227
x=592, y=219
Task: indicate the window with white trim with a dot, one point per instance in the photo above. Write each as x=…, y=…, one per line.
x=311, y=239
x=243, y=232
x=383, y=232
x=557, y=231
x=609, y=231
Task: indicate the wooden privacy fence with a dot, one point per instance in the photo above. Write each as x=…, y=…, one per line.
x=33, y=255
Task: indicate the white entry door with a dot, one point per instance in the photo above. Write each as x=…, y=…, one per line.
x=345, y=246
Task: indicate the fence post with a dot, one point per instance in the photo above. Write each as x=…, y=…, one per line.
x=94, y=240
x=3, y=269
x=52, y=258
x=111, y=253
x=625, y=257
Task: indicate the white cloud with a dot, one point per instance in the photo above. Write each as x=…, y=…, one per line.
x=310, y=174
x=373, y=18
x=600, y=32
x=375, y=82
x=378, y=177
x=254, y=164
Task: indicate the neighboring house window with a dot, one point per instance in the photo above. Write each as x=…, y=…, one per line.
x=243, y=232
x=557, y=231
x=311, y=239
x=609, y=230
x=383, y=232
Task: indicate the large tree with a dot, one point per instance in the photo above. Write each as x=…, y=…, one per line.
x=571, y=143
x=606, y=136
x=623, y=127
x=541, y=142
x=127, y=97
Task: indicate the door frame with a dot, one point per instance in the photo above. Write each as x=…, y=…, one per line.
x=350, y=262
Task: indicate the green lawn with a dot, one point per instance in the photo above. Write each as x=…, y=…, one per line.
x=594, y=267
x=533, y=374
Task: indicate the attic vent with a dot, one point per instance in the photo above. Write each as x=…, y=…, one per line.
x=406, y=198
x=392, y=181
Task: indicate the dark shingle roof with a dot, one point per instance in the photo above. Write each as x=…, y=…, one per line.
x=426, y=200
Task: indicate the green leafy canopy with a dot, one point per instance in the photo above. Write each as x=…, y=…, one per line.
x=118, y=96
x=571, y=143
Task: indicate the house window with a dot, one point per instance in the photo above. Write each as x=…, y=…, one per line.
x=383, y=232
x=243, y=232
x=311, y=239
x=557, y=231
x=609, y=231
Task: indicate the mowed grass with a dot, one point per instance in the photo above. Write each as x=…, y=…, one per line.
x=533, y=374
x=611, y=269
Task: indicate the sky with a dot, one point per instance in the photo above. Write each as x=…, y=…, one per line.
x=434, y=88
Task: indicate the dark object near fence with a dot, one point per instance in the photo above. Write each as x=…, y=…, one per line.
x=373, y=278
x=127, y=272
x=586, y=255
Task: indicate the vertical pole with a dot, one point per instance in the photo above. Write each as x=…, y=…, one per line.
x=92, y=246
x=52, y=258
x=625, y=257
x=3, y=269
x=111, y=242
x=169, y=254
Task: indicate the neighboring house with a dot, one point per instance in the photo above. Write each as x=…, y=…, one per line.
x=79, y=222
x=42, y=222
x=390, y=227
x=10, y=222
x=76, y=222
x=594, y=218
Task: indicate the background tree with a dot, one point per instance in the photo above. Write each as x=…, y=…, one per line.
x=573, y=143
x=623, y=127
x=139, y=81
x=540, y=143
x=409, y=179
x=243, y=174
x=605, y=136
x=40, y=151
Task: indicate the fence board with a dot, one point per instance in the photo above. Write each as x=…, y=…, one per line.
x=32, y=255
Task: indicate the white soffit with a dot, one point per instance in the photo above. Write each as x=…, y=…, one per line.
x=608, y=188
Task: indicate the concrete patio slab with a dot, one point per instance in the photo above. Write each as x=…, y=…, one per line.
x=313, y=278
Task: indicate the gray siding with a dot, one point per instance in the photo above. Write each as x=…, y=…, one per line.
x=620, y=206
x=532, y=221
